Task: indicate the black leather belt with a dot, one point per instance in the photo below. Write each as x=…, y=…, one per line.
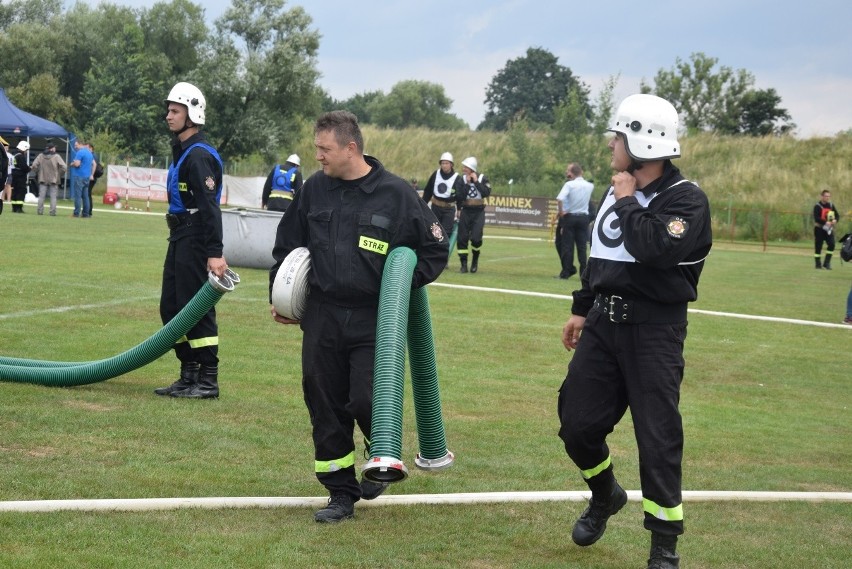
x=626, y=311
x=175, y=220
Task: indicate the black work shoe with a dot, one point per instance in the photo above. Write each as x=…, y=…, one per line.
x=590, y=526
x=340, y=507
x=663, y=554
x=188, y=378
x=198, y=391
x=371, y=490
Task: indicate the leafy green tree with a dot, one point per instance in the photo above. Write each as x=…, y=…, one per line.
x=124, y=94
x=40, y=96
x=760, y=114
x=415, y=103
x=576, y=138
x=721, y=100
x=358, y=104
x=28, y=11
x=175, y=29
x=267, y=84
x=531, y=87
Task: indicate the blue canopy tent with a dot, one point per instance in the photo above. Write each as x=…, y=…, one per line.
x=17, y=125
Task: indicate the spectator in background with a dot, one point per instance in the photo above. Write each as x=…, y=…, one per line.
x=81, y=172
x=5, y=164
x=20, y=170
x=97, y=172
x=572, y=229
x=49, y=168
x=282, y=184
x=825, y=218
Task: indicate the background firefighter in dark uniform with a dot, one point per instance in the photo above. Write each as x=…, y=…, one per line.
x=350, y=216
x=650, y=239
x=825, y=220
x=472, y=213
x=282, y=184
x=442, y=190
x=194, y=186
x=20, y=172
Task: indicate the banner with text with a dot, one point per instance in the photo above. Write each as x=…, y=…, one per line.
x=512, y=211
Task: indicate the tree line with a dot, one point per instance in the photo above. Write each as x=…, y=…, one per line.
x=102, y=72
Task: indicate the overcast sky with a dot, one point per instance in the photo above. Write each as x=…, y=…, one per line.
x=803, y=50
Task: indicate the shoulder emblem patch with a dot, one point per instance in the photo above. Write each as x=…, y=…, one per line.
x=210, y=183
x=676, y=227
x=437, y=231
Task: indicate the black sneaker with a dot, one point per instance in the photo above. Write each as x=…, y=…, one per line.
x=340, y=507
x=592, y=523
x=371, y=490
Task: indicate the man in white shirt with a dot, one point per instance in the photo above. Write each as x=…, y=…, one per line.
x=572, y=229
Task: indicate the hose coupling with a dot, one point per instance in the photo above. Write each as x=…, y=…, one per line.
x=384, y=469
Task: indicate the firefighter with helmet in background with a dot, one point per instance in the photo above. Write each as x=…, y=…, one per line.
x=194, y=187
x=472, y=213
x=282, y=184
x=443, y=190
x=20, y=171
x=649, y=242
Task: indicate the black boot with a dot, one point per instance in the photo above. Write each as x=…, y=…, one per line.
x=463, y=259
x=592, y=523
x=818, y=264
x=207, y=386
x=188, y=377
x=827, y=263
x=474, y=265
x=340, y=507
x=663, y=554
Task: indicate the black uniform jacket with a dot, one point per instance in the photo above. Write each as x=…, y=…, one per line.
x=203, y=178
x=342, y=223
x=669, y=240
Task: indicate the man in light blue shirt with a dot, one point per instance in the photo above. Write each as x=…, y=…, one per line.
x=81, y=171
x=572, y=228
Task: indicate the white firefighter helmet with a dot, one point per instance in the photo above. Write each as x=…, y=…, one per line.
x=471, y=163
x=649, y=125
x=23, y=146
x=448, y=157
x=294, y=159
x=191, y=97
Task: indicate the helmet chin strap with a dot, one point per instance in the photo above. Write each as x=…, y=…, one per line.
x=186, y=126
x=634, y=165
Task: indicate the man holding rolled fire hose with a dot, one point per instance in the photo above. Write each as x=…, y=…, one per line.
x=195, y=241
x=349, y=215
x=650, y=239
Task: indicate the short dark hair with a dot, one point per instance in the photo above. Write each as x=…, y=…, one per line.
x=575, y=169
x=345, y=127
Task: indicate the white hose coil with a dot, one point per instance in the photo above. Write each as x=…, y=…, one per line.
x=290, y=288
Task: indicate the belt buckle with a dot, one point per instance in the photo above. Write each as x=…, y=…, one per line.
x=612, y=300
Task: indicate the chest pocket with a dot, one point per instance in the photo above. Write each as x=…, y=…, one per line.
x=374, y=233
x=319, y=226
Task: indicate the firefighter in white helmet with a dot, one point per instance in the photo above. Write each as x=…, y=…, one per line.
x=282, y=184
x=194, y=186
x=472, y=213
x=20, y=171
x=443, y=191
x=649, y=242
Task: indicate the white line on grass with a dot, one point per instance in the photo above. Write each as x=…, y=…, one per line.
x=61, y=309
x=144, y=504
x=692, y=310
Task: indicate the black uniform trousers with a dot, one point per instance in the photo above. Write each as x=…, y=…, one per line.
x=338, y=352
x=572, y=230
x=822, y=236
x=184, y=273
x=471, y=228
x=278, y=204
x=446, y=217
x=616, y=366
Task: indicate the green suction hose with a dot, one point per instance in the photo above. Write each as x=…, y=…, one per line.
x=453, y=237
x=65, y=374
x=385, y=463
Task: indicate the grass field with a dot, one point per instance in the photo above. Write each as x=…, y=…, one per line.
x=766, y=406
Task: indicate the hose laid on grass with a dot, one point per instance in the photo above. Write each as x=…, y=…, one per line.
x=66, y=374
x=393, y=325
x=453, y=237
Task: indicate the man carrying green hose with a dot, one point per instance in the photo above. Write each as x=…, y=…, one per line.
x=349, y=216
x=195, y=241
